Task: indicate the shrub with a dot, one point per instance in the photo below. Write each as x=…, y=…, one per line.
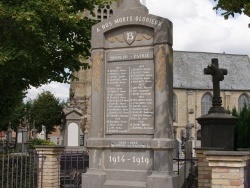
x=39, y=142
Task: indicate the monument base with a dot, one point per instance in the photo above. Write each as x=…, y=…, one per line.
x=94, y=178
x=163, y=180
x=124, y=184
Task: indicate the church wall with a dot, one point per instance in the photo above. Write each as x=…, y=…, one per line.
x=189, y=107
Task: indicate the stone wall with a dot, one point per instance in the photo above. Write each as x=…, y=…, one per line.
x=49, y=166
x=223, y=169
x=204, y=171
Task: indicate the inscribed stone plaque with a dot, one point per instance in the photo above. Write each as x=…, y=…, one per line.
x=132, y=159
x=130, y=97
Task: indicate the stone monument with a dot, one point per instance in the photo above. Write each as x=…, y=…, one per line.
x=72, y=126
x=217, y=127
x=131, y=137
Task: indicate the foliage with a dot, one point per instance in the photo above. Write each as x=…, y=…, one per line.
x=242, y=128
x=46, y=110
x=15, y=116
x=41, y=41
x=232, y=7
x=39, y=142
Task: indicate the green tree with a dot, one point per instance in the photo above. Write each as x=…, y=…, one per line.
x=242, y=128
x=41, y=41
x=47, y=111
x=232, y=7
x=15, y=116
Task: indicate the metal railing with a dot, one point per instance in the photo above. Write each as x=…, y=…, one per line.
x=21, y=169
x=73, y=164
x=189, y=170
x=18, y=169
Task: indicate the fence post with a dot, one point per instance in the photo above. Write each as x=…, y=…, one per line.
x=48, y=166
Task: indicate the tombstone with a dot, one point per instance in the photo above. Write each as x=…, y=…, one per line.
x=19, y=136
x=33, y=133
x=71, y=128
x=43, y=133
x=9, y=137
x=177, y=150
x=131, y=137
x=217, y=127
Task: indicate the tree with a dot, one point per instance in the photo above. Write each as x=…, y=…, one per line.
x=15, y=116
x=232, y=7
x=242, y=128
x=41, y=41
x=47, y=111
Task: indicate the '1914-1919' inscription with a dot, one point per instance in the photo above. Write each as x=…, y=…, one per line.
x=135, y=159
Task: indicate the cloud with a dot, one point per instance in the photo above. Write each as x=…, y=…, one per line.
x=197, y=27
x=60, y=91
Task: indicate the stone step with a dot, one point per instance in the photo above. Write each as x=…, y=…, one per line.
x=124, y=184
x=128, y=175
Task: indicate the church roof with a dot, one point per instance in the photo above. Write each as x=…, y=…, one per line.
x=189, y=66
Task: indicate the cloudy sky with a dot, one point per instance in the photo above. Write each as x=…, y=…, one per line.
x=197, y=27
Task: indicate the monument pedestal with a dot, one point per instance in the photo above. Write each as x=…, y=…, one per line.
x=124, y=184
x=217, y=131
x=163, y=180
x=94, y=178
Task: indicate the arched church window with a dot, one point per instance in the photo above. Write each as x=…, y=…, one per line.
x=206, y=103
x=174, y=108
x=99, y=15
x=243, y=101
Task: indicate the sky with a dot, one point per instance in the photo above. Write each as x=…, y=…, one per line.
x=197, y=27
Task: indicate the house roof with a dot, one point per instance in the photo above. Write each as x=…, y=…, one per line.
x=189, y=66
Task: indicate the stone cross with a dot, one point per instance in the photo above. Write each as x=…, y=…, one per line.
x=132, y=4
x=218, y=75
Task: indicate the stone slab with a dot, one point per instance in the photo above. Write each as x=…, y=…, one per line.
x=124, y=184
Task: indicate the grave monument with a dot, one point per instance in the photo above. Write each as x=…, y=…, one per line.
x=131, y=138
x=217, y=127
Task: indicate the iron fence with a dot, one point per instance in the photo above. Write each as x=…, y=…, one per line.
x=18, y=169
x=188, y=167
x=73, y=164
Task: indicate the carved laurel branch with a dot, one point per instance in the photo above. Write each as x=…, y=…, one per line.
x=96, y=61
x=120, y=38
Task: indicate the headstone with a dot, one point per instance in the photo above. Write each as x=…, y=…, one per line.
x=9, y=137
x=130, y=142
x=177, y=150
x=217, y=127
x=43, y=133
x=19, y=135
x=71, y=126
x=73, y=134
x=33, y=133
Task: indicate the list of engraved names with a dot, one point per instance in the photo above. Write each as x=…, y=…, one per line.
x=130, y=97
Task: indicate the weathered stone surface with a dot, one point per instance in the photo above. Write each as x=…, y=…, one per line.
x=130, y=141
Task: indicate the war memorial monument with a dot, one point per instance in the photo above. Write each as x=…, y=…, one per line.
x=131, y=141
